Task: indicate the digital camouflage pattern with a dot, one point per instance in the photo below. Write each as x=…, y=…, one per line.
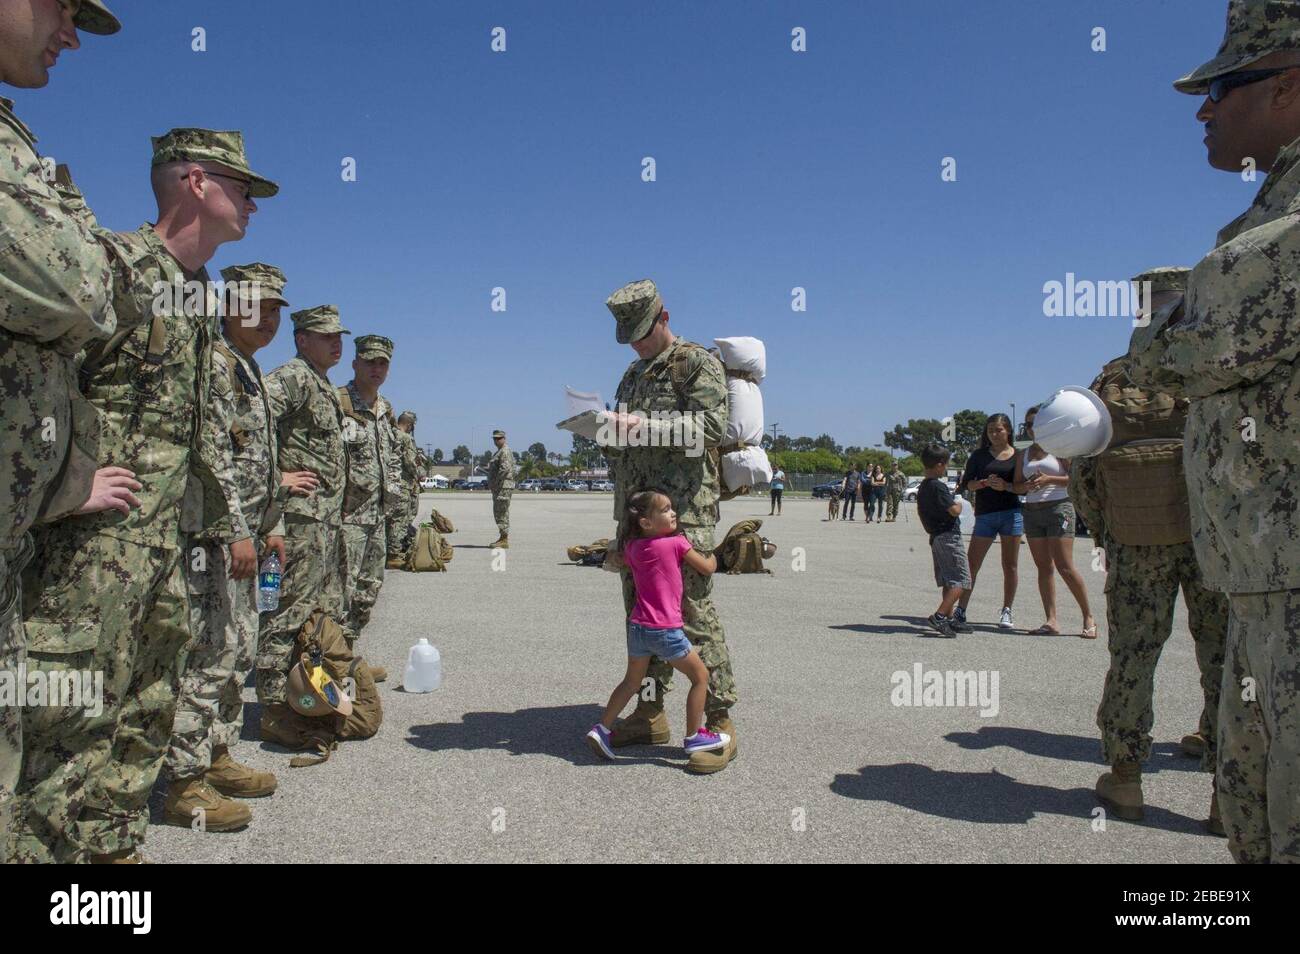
x=501, y=481
x=54, y=299
x=367, y=441
x=698, y=386
x=1255, y=28
x=1142, y=584
x=109, y=589
x=403, y=500
x=309, y=434
x=1231, y=349
x=1259, y=729
x=224, y=146
x=896, y=486
x=223, y=611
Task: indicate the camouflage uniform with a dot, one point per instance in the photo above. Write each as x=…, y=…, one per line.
x=309, y=433
x=56, y=282
x=1232, y=351
x=109, y=593
x=897, y=484
x=403, y=500
x=692, y=483
x=366, y=439
x=501, y=481
x=223, y=611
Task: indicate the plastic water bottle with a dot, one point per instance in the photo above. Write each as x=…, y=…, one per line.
x=423, y=668
x=268, y=583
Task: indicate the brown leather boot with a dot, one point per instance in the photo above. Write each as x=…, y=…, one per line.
x=706, y=763
x=236, y=779
x=1120, y=790
x=502, y=542
x=1193, y=745
x=193, y=803
x=647, y=725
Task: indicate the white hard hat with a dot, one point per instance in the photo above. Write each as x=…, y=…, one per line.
x=1073, y=422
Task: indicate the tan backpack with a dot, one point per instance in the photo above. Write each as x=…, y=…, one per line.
x=441, y=523
x=430, y=553
x=322, y=636
x=591, y=554
x=742, y=549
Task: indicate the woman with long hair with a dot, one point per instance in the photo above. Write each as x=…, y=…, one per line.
x=990, y=472
x=1049, y=530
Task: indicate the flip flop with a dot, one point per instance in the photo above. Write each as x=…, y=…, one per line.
x=1090, y=632
x=1046, y=630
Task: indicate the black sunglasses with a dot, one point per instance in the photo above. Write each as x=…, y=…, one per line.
x=248, y=183
x=1224, y=85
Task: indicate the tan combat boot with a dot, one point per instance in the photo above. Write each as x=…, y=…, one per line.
x=502, y=542
x=377, y=673
x=193, y=803
x=1193, y=745
x=1120, y=790
x=706, y=763
x=236, y=779
x=647, y=725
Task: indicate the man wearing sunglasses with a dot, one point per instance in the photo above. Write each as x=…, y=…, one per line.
x=109, y=594
x=55, y=281
x=1232, y=350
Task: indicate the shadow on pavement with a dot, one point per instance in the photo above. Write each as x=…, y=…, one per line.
x=988, y=798
x=1167, y=756
x=558, y=731
x=923, y=629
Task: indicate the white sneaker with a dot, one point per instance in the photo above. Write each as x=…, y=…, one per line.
x=1004, y=621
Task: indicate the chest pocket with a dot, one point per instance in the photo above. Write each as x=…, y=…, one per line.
x=655, y=394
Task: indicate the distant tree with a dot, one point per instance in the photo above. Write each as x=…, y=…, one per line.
x=437, y=455
x=461, y=455
x=537, y=451
x=911, y=466
x=960, y=435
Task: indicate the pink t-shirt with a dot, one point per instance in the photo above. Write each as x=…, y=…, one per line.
x=656, y=565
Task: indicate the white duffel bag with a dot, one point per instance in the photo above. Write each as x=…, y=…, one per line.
x=744, y=412
x=745, y=468
x=744, y=354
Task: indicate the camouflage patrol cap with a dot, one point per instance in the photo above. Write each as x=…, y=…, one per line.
x=323, y=319
x=370, y=347
x=93, y=17
x=1165, y=279
x=257, y=281
x=225, y=146
x=407, y=416
x=635, y=307
x=1255, y=29
x=498, y=435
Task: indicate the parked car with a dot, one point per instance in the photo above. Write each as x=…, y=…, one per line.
x=827, y=490
x=476, y=483
x=914, y=484
x=437, y=482
x=605, y=485
x=532, y=483
x=458, y=483
x=552, y=483
x=575, y=485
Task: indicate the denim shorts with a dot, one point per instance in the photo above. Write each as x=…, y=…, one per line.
x=667, y=644
x=1007, y=523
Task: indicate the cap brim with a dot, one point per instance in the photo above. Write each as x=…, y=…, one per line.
x=260, y=188
x=372, y=355
x=1197, y=82
x=94, y=17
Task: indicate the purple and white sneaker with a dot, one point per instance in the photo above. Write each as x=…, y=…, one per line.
x=598, y=739
x=705, y=741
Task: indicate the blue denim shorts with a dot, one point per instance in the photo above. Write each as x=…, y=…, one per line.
x=1008, y=523
x=667, y=644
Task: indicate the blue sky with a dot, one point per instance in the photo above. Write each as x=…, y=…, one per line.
x=775, y=169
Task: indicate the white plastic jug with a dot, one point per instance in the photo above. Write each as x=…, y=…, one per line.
x=423, y=668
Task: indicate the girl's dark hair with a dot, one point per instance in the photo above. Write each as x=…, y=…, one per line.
x=640, y=504
x=1002, y=419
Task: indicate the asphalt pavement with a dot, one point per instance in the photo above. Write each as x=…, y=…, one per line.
x=832, y=767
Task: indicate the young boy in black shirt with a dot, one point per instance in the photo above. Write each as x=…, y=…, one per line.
x=938, y=511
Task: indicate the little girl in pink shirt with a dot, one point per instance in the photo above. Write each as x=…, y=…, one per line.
x=654, y=551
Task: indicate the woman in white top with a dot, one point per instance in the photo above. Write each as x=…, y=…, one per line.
x=1049, y=529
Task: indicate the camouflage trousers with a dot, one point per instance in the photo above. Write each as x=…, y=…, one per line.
x=501, y=510
x=313, y=577
x=366, y=552
x=1142, y=584
x=1259, y=728
x=116, y=609
x=891, y=505
x=13, y=660
x=223, y=623
x=703, y=629
x=397, y=525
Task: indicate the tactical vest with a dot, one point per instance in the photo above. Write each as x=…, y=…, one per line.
x=1141, y=479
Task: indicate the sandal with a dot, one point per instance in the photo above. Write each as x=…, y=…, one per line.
x=1046, y=630
x=1090, y=632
